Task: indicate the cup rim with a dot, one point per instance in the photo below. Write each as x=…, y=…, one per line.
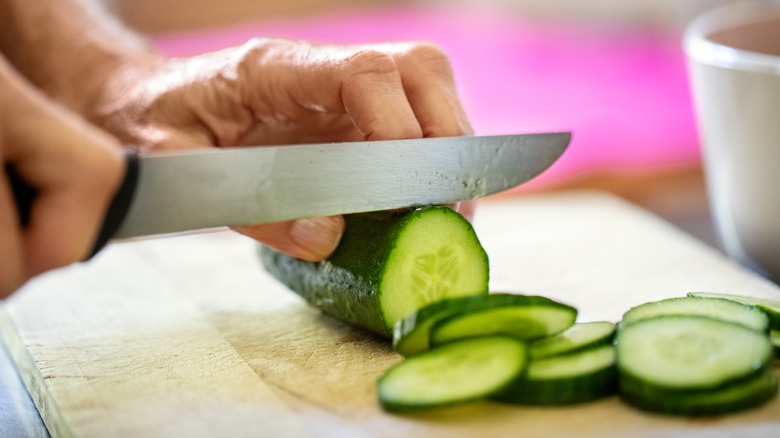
x=705, y=51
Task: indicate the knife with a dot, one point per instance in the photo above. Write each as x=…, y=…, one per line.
x=196, y=189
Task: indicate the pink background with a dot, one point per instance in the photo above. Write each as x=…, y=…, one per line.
x=622, y=92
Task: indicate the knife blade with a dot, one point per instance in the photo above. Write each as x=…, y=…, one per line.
x=165, y=193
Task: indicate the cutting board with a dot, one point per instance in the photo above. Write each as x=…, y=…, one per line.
x=187, y=336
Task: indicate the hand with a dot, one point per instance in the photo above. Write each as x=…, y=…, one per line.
x=75, y=170
x=276, y=91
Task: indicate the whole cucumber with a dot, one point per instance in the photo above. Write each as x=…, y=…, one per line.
x=388, y=265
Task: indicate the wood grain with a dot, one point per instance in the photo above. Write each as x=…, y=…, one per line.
x=187, y=336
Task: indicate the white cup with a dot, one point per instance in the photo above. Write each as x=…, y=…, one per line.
x=734, y=68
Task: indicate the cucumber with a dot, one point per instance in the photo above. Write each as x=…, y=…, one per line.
x=411, y=334
x=456, y=373
x=524, y=317
x=577, y=377
x=739, y=396
x=693, y=365
x=774, y=337
x=729, y=310
x=580, y=336
x=770, y=307
x=388, y=265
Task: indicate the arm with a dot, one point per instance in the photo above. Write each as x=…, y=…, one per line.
x=68, y=48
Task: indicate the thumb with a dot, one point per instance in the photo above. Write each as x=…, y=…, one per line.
x=312, y=239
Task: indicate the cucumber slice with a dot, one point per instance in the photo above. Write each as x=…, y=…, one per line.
x=456, y=373
x=411, y=334
x=719, y=308
x=774, y=337
x=388, y=265
x=668, y=356
x=580, y=336
x=770, y=307
x=527, y=319
x=738, y=396
x=578, y=377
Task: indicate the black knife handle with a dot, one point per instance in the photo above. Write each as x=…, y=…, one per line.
x=24, y=196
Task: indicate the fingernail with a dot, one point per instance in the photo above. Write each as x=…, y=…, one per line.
x=318, y=237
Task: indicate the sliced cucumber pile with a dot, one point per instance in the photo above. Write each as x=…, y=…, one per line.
x=456, y=373
x=387, y=265
x=693, y=356
x=694, y=365
x=576, y=368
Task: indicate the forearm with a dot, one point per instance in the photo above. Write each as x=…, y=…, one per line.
x=68, y=48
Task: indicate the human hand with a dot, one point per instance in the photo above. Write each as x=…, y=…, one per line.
x=278, y=91
x=75, y=170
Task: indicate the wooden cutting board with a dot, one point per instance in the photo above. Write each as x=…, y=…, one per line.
x=188, y=337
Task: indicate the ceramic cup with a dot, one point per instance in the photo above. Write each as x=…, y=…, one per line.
x=734, y=69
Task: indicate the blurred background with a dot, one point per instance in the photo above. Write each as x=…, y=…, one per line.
x=611, y=71
x=162, y=16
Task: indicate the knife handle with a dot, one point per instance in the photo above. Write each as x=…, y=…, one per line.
x=24, y=196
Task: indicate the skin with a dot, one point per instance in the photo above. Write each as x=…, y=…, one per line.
x=121, y=93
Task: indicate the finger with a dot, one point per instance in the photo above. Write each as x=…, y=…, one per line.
x=465, y=208
x=309, y=239
x=374, y=97
x=286, y=79
x=74, y=168
x=430, y=88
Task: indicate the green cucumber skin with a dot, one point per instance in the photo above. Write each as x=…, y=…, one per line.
x=740, y=395
x=346, y=284
x=332, y=285
x=326, y=291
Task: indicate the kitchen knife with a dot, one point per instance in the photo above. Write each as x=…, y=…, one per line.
x=205, y=188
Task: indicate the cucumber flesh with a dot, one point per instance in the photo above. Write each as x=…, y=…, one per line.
x=387, y=265
x=524, y=321
x=741, y=395
x=580, y=336
x=770, y=307
x=412, y=334
x=728, y=310
x=577, y=377
x=456, y=373
x=436, y=256
x=679, y=353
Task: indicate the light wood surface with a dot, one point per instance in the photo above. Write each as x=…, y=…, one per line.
x=188, y=337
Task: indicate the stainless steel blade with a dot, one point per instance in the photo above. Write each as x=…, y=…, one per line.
x=235, y=186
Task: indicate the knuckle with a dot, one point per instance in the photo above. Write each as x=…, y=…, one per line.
x=429, y=56
x=370, y=61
